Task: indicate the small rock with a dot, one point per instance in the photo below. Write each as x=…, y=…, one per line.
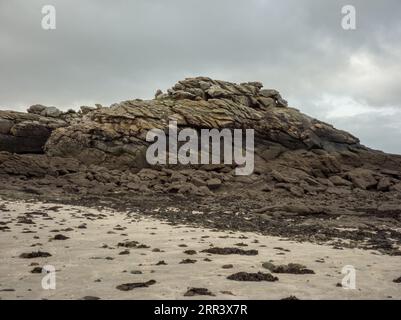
x=245, y=276
x=90, y=298
x=36, y=270
x=198, y=292
x=60, y=237
x=131, y=286
x=290, y=298
x=86, y=109
x=384, y=184
x=227, y=251
x=52, y=112
x=36, y=109
x=291, y=268
x=136, y=272
x=124, y=252
x=187, y=261
x=158, y=93
x=38, y=254
x=213, y=184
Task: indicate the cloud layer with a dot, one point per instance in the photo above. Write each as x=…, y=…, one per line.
x=107, y=51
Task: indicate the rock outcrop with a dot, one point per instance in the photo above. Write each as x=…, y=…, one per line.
x=116, y=136
x=106, y=146
x=28, y=132
x=304, y=168
x=25, y=133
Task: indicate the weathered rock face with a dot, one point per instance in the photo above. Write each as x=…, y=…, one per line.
x=105, y=147
x=116, y=135
x=28, y=132
x=25, y=133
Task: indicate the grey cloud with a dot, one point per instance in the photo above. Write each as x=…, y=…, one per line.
x=381, y=132
x=108, y=51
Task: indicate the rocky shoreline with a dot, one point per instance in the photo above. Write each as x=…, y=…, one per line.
x=311, y=181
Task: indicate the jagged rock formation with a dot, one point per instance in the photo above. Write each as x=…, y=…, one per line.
x=104, y=148
x=286, y=140
x=115, y=136
x=304, y=168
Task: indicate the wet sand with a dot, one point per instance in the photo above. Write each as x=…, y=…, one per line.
x=90, y=262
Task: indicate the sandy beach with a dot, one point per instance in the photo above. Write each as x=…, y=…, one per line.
x=98, y=251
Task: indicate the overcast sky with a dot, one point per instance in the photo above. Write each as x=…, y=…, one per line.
x=106, y=51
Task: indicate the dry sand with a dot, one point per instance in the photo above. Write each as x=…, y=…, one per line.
x=83, y=270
